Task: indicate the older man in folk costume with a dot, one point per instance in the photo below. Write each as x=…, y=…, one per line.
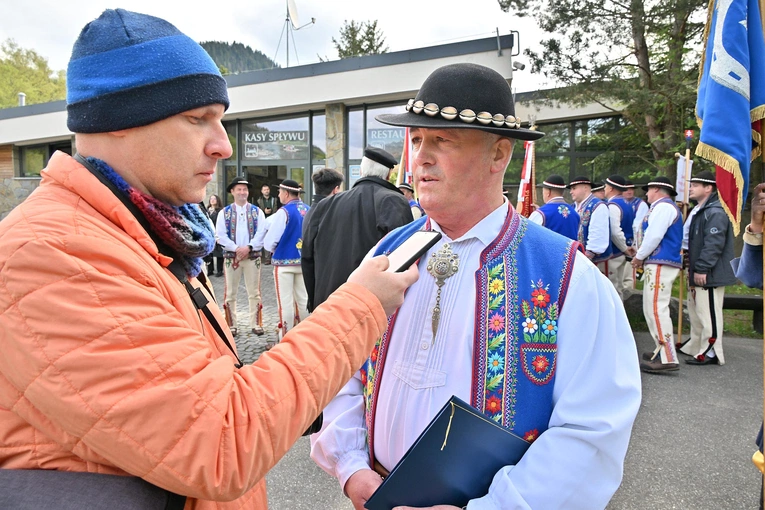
x=490, y=322
x=661, y=259
x=556, y=214
x=240, y=228
x=285, y=239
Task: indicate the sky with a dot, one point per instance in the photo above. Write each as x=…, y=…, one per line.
x=51, y=27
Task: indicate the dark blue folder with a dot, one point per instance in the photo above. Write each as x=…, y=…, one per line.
x=453, y=461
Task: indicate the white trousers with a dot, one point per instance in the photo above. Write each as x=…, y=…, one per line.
x=705, y=308
x=657, y=291
x=291, y=296
x=250, y=269
x=614, y=269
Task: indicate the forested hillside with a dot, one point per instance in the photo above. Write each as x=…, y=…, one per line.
x=236, y=57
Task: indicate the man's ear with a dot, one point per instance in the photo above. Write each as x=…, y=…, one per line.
x=502, y=151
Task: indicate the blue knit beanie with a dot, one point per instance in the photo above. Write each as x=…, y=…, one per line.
x=129, y=69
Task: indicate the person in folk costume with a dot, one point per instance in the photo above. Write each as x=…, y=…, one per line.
x=408, y=192
x=599, y=190
x=285, y=239
x=621, y=218
x=710, y=250
x=240, y=229
x=640, y=209
x=556, y=214
x=490, y=305
x=659, y=255
x=594, y=222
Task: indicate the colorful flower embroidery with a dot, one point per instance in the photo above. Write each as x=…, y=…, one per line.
x=531, y=435
x=494, y=405
x=563, y=210
x=550, y=327
x=540, y=364
x=299, y=244
x=496, y=286
x=529, y=325
x=496, y=363
x=496, y=322
x=540, y=297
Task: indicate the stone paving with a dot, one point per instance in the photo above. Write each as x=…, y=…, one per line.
x=249, y=345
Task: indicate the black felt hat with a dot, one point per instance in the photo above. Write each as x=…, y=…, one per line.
x=580, y=180
x=467, y=96
x=291, y=185
x=617, y=181
x=629, y=184
x=406, y=186
x=238, y=180
x=705, y=177
x=661, y=182
x=554, y=182
x=378, y=155
x=598, y=185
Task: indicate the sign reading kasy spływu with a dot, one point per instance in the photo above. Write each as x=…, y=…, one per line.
x=275, y=145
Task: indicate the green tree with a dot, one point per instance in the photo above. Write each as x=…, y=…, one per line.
x=636, y=57
x=360, y=38
x=235, y=57
x=23, y=70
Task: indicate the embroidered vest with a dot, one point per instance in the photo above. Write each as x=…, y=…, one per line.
x=521, y=285
x=628, y=216
x=287, y=252
x=668, y=252
x=561, y=217
x=635, y=204
x=585, y=212
x=229, y=216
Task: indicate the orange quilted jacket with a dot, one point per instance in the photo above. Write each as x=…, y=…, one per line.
x=107, y=367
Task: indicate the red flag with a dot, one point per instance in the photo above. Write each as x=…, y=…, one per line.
x=527, y=190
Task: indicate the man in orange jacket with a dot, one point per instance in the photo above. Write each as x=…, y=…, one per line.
x=108, y=366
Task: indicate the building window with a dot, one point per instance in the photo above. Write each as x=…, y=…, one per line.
x=364, y=130
x=32, y=159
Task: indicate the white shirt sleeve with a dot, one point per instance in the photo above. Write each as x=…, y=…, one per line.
x=599, y=234
x=617, y=235
x=257, y=240
x=537, y=217
x=277, y=222
x=222, y=236
x=340, y=447
x=596, y=398
x=637, y=224
x=662, y=216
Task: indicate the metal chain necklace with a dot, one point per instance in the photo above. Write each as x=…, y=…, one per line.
x=442, y=264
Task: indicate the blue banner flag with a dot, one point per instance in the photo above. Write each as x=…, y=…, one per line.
x=731, y=96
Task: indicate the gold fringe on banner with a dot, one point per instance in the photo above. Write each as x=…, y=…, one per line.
x=730, y=165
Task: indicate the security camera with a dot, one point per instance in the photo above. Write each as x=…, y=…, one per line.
x=519, y=66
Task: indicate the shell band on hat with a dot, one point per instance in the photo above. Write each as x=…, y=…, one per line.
x=467, y=115
x=557, y=186
x=574, y=183
x=660, y=185
x=705, y=181
x=290, y=188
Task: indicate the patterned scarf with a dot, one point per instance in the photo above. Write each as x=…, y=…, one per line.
x=185, y=229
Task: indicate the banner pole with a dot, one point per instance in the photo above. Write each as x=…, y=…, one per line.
x=681, y=290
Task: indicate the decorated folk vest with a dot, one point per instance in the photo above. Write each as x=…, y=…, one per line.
x=521, y=285
x=585, y=212
x=251, y=216
x=628, y=216
x=668, y=252
x=561, y=217
x=287, y=252
x=635, y=204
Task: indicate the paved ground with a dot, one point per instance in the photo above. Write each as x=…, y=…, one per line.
x=691, y=445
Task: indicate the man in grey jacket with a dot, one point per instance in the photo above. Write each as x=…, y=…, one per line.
x=710, y=250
